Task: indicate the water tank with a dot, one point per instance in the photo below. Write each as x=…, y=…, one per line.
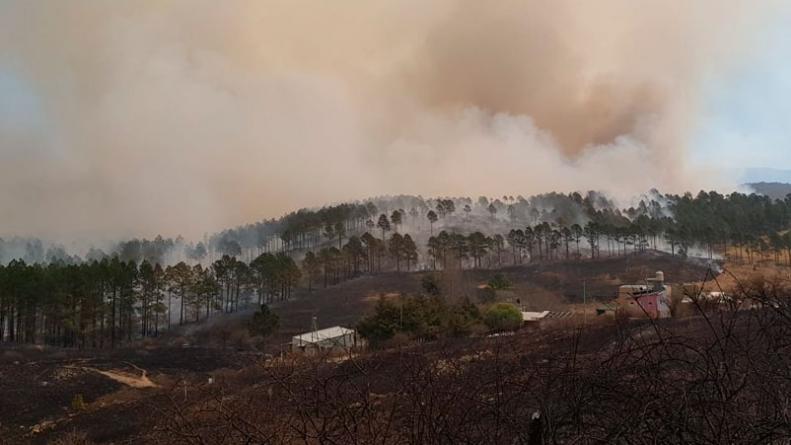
x=660, y=276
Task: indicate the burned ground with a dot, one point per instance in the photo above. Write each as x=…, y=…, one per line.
x=545, y=286
x=39, y=385
x=553, y=284
x=36, y=389
x=344, y=303
x=715, y=380
x=117, y=413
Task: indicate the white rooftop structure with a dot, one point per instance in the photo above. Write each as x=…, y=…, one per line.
x=720, y=297
x=534, y=316
x=335, y=336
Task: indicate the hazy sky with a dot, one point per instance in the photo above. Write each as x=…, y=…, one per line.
x=184, y=116
x=747, y=119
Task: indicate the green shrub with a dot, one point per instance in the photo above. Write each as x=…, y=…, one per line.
x=499, y=282
x=503, y=317
x=382, y=325
x=264, y=322
x=418, y=317
x=464, y=319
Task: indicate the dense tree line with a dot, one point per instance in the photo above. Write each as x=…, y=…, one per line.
x=105, y=302
x=302, y=230
x=707, y=219
x=739, y=225
x=363, y=254
x=454, y=249
x=743, y=226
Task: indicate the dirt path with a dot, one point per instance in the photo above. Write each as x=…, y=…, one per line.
x=125, y=378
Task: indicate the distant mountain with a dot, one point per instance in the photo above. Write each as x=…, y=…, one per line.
x=774, y=190
x=765, y=175
x=772, y=182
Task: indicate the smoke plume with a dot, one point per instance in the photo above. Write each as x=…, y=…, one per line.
x=187, y=116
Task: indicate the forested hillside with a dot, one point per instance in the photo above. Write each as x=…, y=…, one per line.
x=146, y=286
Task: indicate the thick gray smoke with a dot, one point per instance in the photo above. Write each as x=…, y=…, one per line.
x=186, y=116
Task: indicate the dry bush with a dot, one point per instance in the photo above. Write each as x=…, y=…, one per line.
x=719, y=377
x=71, y=438
x=78, y=403
x=398, y=340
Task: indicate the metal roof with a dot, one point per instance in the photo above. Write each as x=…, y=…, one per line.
x=545, y=315
x=533, y=316
x=323, y=334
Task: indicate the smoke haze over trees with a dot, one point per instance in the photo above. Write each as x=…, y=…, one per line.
x=696, y=219
x=185, y=117
x=138, y=289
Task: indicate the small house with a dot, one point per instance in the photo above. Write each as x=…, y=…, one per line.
x=534, y=316
x=650, y=300
x=334, y=339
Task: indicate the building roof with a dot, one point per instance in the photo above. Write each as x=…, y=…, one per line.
x=323, y=334
x=533, y=316
x=545, y=315
x=637, y=287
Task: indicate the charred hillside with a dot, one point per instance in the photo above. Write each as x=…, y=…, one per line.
x=712, y=379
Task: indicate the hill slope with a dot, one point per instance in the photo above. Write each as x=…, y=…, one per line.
x=774, y=190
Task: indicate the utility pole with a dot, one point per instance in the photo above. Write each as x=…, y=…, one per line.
x=401, y=315
x=584, y=302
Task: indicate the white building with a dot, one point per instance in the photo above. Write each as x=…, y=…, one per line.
x=534, y=316
x=650, y=300
x=531, y=317
x=334, y=338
